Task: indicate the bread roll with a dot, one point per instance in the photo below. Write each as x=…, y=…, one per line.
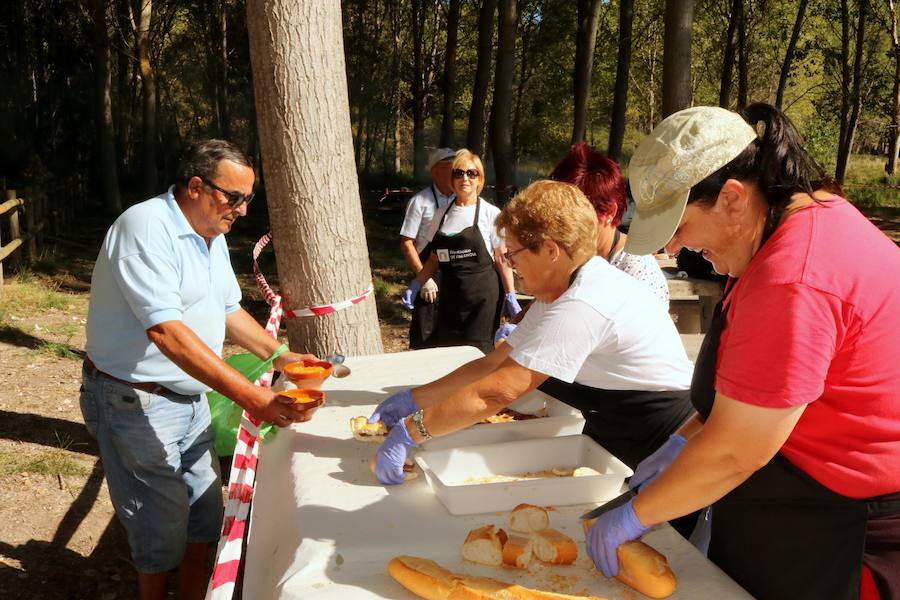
x=429, y=580
x=528, y=517
x=551, y=546
x=409, y=468
x=485, y=545
x=517, y=552
x=365, y=432
x=643, y=568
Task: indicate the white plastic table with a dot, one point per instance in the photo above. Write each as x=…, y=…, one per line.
x=322, y=527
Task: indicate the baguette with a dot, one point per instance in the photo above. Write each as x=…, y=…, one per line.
x=431, y=581
x=517, y=552
x=365, y=432
x=551, y=546
x=643, y=568
x=528, y=517
x=409, y=468
x=485, y=546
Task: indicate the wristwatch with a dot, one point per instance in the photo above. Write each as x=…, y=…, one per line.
x=419, y=422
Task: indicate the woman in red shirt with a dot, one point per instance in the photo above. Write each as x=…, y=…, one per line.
x=796, y=444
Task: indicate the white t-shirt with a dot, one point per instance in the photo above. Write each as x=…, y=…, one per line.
x=645, y=269
x=606, y=331
x=422, y=216
x=460, y=217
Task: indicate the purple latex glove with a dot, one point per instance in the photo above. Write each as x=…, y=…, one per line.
x=610, y=531
x=408, y=297
x=397, y=407
x=503, y=332
x=512, y=305
x=392, y=454
x=651, y=467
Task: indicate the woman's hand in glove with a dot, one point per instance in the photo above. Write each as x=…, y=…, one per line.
x=610, y=531
x=512, y=305
x=408, y=297
x=397, y=407
x=392, y=455
x=429, y=291
x=651, y=467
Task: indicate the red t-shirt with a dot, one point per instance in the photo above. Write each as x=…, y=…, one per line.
x=815, y=319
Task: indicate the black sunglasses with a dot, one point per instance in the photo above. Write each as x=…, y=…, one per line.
x=470, y=173
x=235, y=199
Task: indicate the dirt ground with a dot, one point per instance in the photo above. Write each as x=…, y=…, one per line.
x=59, y=539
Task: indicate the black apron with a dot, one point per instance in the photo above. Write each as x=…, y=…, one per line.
x=424, y=314
x=782, y=534
x=471, y=298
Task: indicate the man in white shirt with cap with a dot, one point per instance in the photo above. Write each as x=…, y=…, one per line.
x=423, y=213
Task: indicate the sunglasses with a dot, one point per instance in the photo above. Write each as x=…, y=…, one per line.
x=235, y=199
x=470, y=173
x=509, y=257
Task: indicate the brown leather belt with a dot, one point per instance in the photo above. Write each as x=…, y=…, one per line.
x=148, y=386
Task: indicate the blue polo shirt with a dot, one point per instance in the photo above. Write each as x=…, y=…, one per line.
x=153, y=267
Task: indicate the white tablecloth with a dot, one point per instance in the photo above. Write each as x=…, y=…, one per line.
x=322, y=527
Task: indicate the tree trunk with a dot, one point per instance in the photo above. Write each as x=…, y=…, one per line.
x=855, y=98
x=846, y=80
x=737, y=9
x=585, y=41
x=418, y=89
x=449, y=79
x=220, y=74
x=620, y=93
x=501, y=130
x=148, y=89
x=296, y=50
x=789, y=55
x=743, y=60
x=676, y=85
x=894, y=141
x=124, y=92
x=475, y=132
x=106, y=133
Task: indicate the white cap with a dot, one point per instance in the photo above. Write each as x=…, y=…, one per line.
x=439, y=154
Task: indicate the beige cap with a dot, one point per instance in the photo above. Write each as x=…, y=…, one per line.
x=680, y=152
x=439, y=154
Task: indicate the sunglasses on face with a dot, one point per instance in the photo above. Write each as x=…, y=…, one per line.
x=470, y=173
x=235, y=199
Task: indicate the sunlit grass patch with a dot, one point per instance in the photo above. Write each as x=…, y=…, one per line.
x=57, y=349
x=50, y=462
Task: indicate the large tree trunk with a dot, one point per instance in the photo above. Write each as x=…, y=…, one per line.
x=620, y=93
x=846, y=147
x=106, y=134
x=676, y=84
x=789, y=55
x=586, y=39
x=894, y=142
x=148, y=89
x=475, y=132
x=296, y=50
x=449, y=79
x=737, y=10
x=501, y=130
x=417, y=16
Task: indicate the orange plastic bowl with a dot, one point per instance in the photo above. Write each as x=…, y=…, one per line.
x=307, y=399
x=308, y=374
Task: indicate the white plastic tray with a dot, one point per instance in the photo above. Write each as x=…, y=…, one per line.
x=447, y=472
x=561, y=420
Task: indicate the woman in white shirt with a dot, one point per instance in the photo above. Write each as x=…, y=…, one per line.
x=590, y=323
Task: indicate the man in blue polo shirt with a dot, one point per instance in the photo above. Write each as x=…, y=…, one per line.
x=163, y=298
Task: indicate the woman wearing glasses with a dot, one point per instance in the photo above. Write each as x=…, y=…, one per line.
x=469, y=254
x=590, y=323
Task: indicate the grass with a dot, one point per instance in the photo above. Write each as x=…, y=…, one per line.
x=52, y=463
x=868, y=185
x=28, y=296
x=57, y=349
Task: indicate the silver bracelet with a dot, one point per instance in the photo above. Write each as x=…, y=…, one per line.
x=417, y=418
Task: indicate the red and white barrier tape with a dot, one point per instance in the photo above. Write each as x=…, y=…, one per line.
x=246, y=451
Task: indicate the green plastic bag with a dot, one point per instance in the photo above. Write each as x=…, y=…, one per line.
x=226, y=415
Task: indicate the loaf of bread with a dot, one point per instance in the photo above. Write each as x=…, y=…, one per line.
x=485, y=545
x=643, y=568
x=517, y=551
x=365, y=432
x=429, y=580
x=554, y=547
x=528, y=517
x=409, y=468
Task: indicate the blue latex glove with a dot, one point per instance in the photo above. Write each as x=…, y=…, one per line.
x=408, y=297
x=651, y=467
x=512, y=305
x=610, y=531
x=392, y=454
x=503, y=333
x=399, y=406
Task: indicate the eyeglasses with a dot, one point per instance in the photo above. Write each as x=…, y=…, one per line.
x=509, y=257
x=235, y=199
x=470, y=173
